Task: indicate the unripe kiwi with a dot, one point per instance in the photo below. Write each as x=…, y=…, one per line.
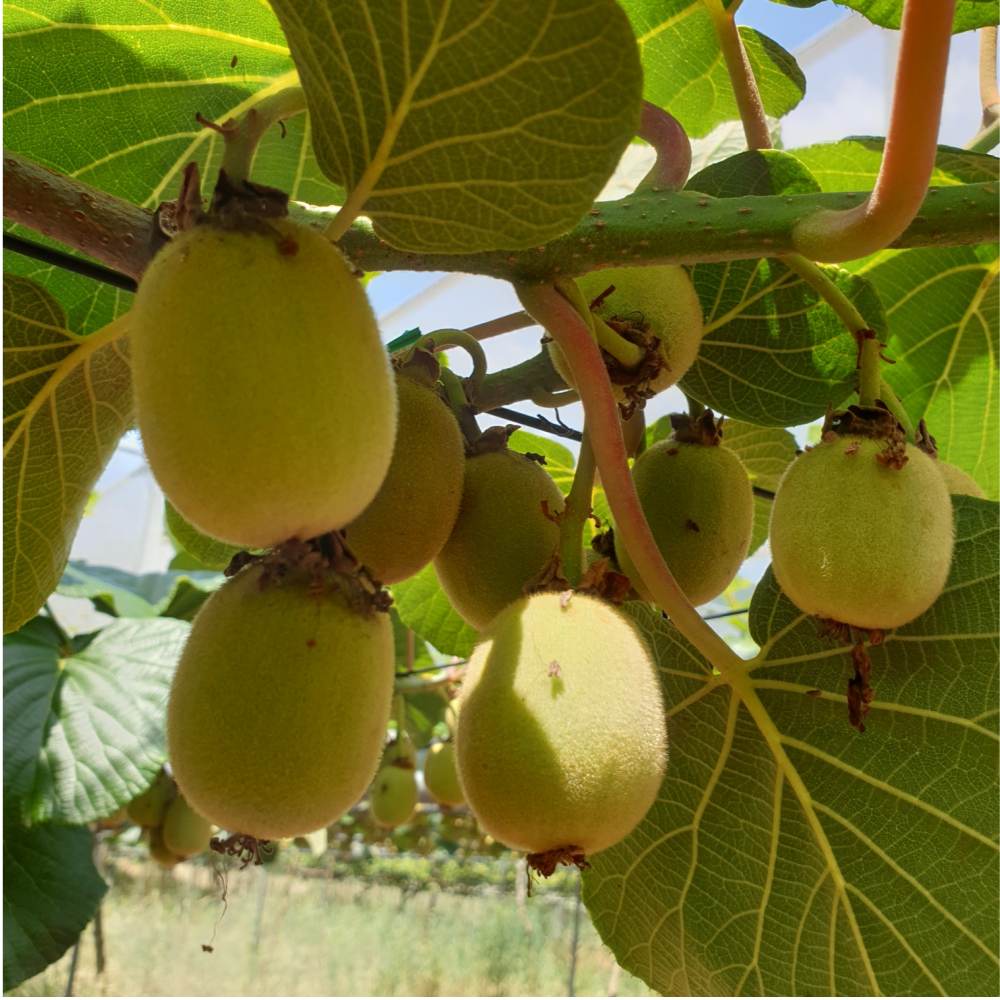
x=959, y=481
x=413, y=513
x=662, y=296
x=279, y=706
x=149, y=808
x=698, y=501
x=394, y=794
x=858, y=541
x=159, y=851
x=184, y=831
x=115, y=820
x=264, y=395
x=501, y=538
x=562, y=737
x=441, y=775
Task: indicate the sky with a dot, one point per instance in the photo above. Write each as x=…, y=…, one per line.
x=848, y=93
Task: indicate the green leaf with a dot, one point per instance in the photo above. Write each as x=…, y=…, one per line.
x=84, y=728
x=559, y=459
x=209, y=552
x=67, y=401
x=942, y=307
x=853, y=165
x=424, y=607
x=464, y=127
x=788, y=854
x=174, y=594
x=50, y=891
x=773, y=352
x=424, y=710
x=109, y=93
x=684, y=72
x=969, y=14
x=400, y=635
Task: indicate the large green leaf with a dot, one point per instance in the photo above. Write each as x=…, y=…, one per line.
x=67, y=400
x=789, y=855
x=459, y=127
x=424, y=607
x=942, y=307
x=108, y=92
x=853, y=165
x=684, y=71
x=773, y=352
x=174, y=594
x=50, y=891
x=969, y=14
x=84, y=721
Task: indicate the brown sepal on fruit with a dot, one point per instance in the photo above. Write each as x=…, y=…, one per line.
x=242, y=846
x=326, y=562
x=235, y=205
x=606, y=583
x=634, y=380
x=549, y=578
x=874, y=422
x=705, y=429
x=492, y=439
x=859, y=690
x=925, y=441
x=546, y=862
x=418, y=363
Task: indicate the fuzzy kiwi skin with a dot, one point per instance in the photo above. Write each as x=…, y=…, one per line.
x=264, y=395
x=159, y=851
x=394, y=795
x=441, y=775
x=149, y=808
x=959, y=481
x=571, y=757
x=184, y=831
x=412, y=515
x=664, y=297
x=279, y=759
x=682, y=485
x=858, y=542
x=501, y=538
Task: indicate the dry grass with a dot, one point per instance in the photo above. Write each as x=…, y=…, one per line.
x=329, y=937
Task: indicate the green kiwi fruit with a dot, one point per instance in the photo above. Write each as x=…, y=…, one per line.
x=959, y=481
x=562, y=739
x=185, y=833
x=394, y=794
x=861, y=540
x=697, y=498
x=441, y=775
x=264, y=394
x=149, y=808
x=159, y=851
x=279, y=706
x=412, y=515
x=660, y=296
x=501, y=537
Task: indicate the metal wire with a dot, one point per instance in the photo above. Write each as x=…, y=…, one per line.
x=59, y=258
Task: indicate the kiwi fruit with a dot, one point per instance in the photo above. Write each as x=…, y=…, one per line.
x=561, y=741
x=959, y=481
x=861, y=534
x=264, y=395
x=394, y=794
x=441, y=775
x=159, y=851
x=279, y=705
x=412, y=515
x=647, y=302
x=501, y=537
x=184, y=831
x=697, y=498
x=149, y=808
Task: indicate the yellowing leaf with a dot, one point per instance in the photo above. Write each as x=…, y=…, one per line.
x=467, y=126
x=66, y=402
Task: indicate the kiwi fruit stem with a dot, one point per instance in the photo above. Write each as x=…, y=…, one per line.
x=569, y=329
x=871, y=378
x=629, y=354
x=404, y=745
x=553, y=400
x=895, y=407
x=243, y=135
x=578, y=509
x=460, y=405
x=440, y=339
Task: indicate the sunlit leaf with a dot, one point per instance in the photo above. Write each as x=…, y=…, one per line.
x=67, y=400
x=84, y=720
x=424, y=607
x=969, y=14
x=209, y=552
x=50, y=892
x=790, y=855
x=462, y=127
x=684, y=71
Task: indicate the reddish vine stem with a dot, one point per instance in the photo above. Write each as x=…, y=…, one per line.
x=910, y=145
x=569, y=330
x=673, y=149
